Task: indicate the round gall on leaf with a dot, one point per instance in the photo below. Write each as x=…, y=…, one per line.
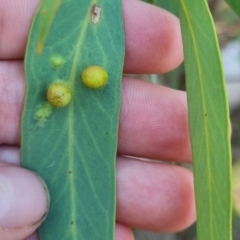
x=58, y=95
x=94, y=77
x=56, y=61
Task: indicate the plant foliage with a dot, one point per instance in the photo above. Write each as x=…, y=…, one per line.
x=74, y=148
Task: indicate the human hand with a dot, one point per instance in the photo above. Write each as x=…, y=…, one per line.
x=151, y=195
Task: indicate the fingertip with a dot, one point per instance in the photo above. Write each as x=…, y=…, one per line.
x=154, y=196
x=10, y=154
x=123, y=232
x=154, y=42
x=183, y=214
x=15, y=21
x=24, y=202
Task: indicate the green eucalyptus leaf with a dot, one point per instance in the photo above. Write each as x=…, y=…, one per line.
x=209, y=122
x=74, y=147
x=235, y=5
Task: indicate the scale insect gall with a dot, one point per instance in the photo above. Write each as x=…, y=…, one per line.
x=58, y=94
x=56, y=61
x=42, y=113
x=94, y=77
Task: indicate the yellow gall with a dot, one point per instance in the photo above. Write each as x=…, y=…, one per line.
x=58, y=95
x=94, y=77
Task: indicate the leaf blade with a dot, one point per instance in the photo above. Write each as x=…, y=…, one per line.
x=76, y=153
x=209, y=123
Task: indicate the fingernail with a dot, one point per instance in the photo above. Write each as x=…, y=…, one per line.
x=24, y=198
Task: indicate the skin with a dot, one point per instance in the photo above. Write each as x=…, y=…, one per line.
x=151, y=195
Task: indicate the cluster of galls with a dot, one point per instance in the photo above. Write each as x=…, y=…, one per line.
x=59, y=94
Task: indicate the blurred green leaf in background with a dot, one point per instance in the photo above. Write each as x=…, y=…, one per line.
x=209, y=122
x=235, y=5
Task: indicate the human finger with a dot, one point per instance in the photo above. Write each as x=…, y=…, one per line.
x=153, y=37
x=9, y=154
x=154, y=196
x=153, y=122
x=23, y=204
x=123, y=232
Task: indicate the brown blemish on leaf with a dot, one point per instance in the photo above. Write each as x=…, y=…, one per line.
x=95, y=14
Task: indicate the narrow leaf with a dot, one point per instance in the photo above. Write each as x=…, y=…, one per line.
x=209, y=122
x=235, y=5
x=74, y=147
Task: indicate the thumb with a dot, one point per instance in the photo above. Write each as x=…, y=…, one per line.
x=24, y=202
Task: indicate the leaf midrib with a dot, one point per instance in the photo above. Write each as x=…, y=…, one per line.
x=71, y=144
